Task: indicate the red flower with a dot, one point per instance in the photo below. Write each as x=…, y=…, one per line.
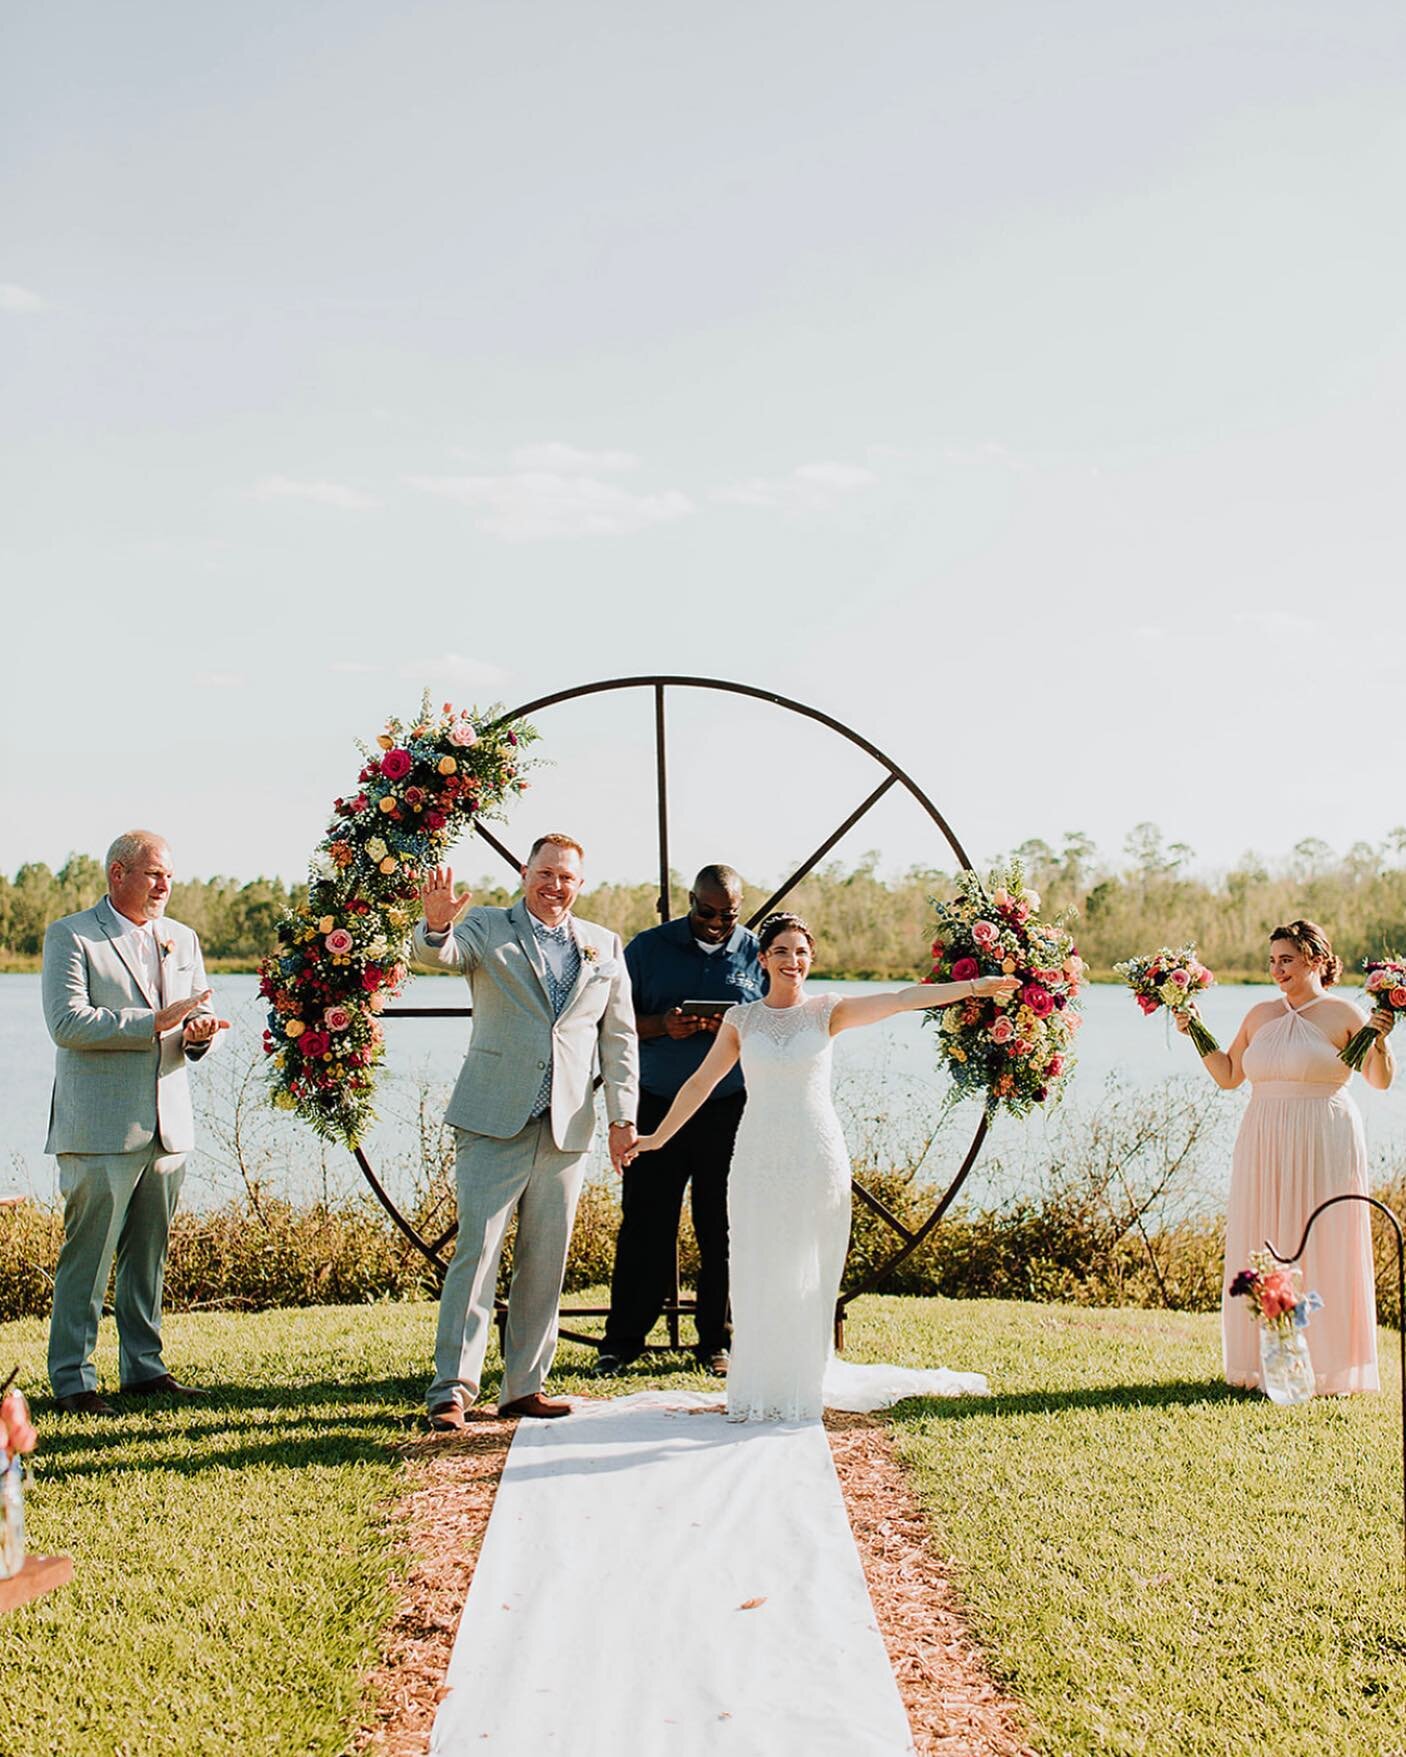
x=1148, y=1005
x=435, y=820
x=372, y=977
x=965, y=970
x=1038, y=999
x=314, y=1044
x=396, y=764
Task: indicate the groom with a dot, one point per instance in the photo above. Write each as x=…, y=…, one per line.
x=550, y=995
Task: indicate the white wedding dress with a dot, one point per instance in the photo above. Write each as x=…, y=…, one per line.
x=788, y=1230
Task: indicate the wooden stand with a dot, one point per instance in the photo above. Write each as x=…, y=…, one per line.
x=39, y=1574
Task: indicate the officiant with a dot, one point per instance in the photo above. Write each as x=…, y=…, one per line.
x=706, y=956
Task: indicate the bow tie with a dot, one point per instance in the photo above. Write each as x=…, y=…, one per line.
x=558, y=934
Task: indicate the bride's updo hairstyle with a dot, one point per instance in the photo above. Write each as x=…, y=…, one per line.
x=782, y=922
x=1309, y=941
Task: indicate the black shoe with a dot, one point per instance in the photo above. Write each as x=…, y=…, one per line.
x=609, y=1363
x=162, y=1386
x=85, y=1403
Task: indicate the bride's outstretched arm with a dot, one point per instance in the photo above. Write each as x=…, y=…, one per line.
x=871, y=1009
x=693, y=1094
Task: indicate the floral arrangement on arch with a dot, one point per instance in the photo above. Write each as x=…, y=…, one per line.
x=1014, y=1053
x=343, y=953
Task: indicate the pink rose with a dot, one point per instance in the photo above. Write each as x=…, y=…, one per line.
x=339, y=942
x=1038, y=999
x=1075, y=1020
x=1054, y=1066
x=1181, y=978
x=462, y=734
x=1398, y=997
x=964, y=970
x=1002, y=1030
x=396, y=764
x=336, y=1018
x=985, y=933
x=1378, y=979
x=1277, y=1295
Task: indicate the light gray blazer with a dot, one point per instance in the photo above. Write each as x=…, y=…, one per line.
x=115, y=1087
x=515, y=1035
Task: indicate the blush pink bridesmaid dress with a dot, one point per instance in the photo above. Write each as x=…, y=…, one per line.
x=1300, y=1143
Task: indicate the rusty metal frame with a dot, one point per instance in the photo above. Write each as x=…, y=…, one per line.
x=894, y=775
x=1381, y=1207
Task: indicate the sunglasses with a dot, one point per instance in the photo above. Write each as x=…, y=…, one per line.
x=705, y=912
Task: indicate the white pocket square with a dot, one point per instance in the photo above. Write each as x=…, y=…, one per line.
x=608, y=968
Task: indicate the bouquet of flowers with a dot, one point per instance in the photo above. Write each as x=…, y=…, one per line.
x=1386, y=984
x=1274, y=1300
x=1016, y=1052
x=342, y=953
x=17, y=1440
x=1171, y=979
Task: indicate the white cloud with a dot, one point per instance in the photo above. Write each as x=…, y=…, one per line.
x=320, y=493
x=531, y=505
x=451, y=668
x=13, y=298
x=570, y=460
x=808, y=488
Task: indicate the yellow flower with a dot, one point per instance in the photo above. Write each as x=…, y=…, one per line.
x=959, y=1055
x=326, y=924
x=388, y=864
x=1008, y=966
x=284, y=1101
x=447, y=765
x=293, y=1027
x=376, y=848
x=385, y=741
x=388, y=803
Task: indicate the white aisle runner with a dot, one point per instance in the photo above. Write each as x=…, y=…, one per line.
x=606, y=1613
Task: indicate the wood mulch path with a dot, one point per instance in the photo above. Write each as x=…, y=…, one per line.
x=954, y=1706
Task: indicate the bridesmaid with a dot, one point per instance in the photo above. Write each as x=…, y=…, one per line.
x=1301, y=1142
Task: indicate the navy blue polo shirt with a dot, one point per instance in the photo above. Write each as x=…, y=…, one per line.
x=667, y=967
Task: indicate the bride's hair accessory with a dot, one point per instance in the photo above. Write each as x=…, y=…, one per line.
x=782, y=922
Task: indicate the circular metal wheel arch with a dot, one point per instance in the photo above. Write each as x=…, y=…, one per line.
x=910, y=1239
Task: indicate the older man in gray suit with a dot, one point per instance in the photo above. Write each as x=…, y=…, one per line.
x=551, y=998
x=127, y=1007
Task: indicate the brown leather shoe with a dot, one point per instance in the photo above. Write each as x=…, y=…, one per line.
x=85, y=1403
x=164, y=1386
x=715, y=1361
x=447, y=1418
x=534, y=1404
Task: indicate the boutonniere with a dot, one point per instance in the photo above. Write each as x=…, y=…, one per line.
x=167, y=947
x=590, y=955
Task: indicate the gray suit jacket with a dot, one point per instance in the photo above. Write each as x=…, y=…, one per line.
x=115, y=1087
x=515, y=1035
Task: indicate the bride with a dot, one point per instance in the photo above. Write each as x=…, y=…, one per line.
x=789, y=1187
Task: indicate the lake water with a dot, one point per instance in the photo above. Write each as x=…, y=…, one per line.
x=888, y=1071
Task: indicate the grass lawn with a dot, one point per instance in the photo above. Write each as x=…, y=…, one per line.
x=1156, y=1564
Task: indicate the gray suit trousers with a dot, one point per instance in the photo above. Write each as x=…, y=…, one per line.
x=114, y=1204
x=530, y=1175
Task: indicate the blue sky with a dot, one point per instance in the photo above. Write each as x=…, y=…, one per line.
x=1020, y=384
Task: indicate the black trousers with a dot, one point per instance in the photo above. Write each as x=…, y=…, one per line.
x=652, y=1199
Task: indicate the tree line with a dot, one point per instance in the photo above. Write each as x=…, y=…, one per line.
x=870, y=924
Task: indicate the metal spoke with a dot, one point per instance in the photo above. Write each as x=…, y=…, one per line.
x=497, y=846
x=661, y=789
x=820, y=853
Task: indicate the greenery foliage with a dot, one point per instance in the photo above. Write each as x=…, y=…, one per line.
x=870, y=924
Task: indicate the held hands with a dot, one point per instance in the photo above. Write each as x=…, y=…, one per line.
x=623, y=1145
x=640, y=1144
x=442, y=908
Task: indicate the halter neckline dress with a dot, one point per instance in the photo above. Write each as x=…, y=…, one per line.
x=1301, y=1142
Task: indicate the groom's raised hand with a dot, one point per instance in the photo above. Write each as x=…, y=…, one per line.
x=442, y=908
